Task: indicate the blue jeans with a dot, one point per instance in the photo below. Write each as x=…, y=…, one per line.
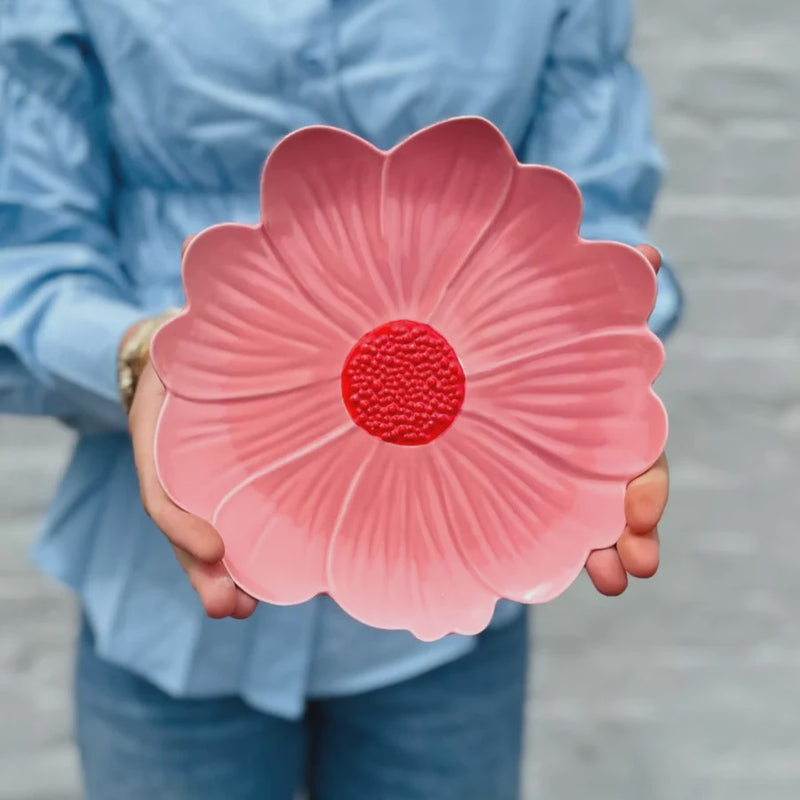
x=453, y=733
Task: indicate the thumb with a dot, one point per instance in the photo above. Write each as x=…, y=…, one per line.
x=651, y=254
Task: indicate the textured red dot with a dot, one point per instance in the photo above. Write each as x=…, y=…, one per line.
x=403, y=383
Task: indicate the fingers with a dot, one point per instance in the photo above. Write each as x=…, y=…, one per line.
x=245, y=604
x=639, y=553
x=184, y=530
x=646, y=498
x=217, y=591
x=606, y=572
x=651, y=254
x=197, y=545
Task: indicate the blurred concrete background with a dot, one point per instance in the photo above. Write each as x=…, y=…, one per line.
x=687, y=687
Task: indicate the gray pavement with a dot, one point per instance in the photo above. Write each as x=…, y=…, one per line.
x=689, y=686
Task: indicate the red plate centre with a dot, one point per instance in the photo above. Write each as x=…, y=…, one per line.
x=403, y=383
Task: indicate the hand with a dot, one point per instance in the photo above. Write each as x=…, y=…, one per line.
x=197, y=545
x=637, y=551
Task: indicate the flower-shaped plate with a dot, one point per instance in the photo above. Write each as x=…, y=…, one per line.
x=411, y=385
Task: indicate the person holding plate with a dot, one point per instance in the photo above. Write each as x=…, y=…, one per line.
x=125, y=129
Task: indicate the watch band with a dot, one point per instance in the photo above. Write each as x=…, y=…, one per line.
x=134, y=353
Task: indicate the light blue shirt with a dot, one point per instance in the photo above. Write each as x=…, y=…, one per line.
x=126, y=126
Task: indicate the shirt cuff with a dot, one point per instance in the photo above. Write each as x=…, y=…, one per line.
x=77, y=343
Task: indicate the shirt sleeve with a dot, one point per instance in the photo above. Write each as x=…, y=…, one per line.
x=65, y=300
x=593, y=121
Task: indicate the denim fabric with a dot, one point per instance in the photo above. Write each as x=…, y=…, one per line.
x=453, y=733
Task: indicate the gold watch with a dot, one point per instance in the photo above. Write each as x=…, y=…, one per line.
x=133, y=355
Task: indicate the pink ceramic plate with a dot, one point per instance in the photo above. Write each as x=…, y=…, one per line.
x=411, y=385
